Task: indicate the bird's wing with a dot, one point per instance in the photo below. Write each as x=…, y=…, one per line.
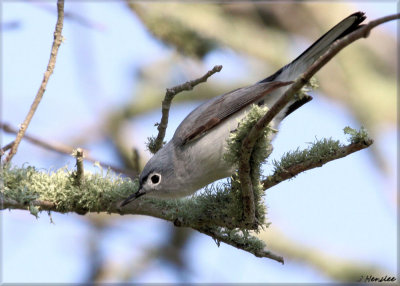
x=211, y=113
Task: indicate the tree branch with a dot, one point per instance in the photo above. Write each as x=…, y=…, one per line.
x=5, y=148
x=50, y=67
x=307, y=160
x=29, y=189
x=57, y=191
x=166, y=104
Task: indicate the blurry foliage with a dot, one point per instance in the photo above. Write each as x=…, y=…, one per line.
x=333, y=266
x=174, y=32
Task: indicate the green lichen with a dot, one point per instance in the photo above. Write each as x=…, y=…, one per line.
x=27, y=184
x=317, y=151
x=356, y=136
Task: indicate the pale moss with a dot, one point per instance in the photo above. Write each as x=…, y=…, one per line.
x=356, y=136
x=321, y=149
x=318, y=150
x=96, y=192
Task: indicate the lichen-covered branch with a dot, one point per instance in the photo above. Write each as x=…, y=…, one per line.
x=155, y=144
x=50, y=67
x=24, y=188
x=5, y=148
x=318, y=154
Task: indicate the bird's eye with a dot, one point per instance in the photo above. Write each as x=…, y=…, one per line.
x=155, y=179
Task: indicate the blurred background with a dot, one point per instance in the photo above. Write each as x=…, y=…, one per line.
x=335, y=223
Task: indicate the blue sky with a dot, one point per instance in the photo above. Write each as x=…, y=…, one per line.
x=344, y=208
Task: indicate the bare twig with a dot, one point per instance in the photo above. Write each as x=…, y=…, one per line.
x=5, y=148
x=297, y=168
x=166, y=104
x=65, y=149
x=50, y=67
x=255, y=132
x=78, y=175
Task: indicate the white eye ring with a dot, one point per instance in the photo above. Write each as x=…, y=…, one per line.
x=155, y=179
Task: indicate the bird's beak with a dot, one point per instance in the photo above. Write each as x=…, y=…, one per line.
x=133, y=197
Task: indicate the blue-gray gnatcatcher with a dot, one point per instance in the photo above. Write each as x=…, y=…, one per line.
x=194, y=157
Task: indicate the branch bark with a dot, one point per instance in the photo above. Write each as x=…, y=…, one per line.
x=50, y=68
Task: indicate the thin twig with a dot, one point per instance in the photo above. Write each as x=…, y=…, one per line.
x=50, y=67
x=5, y=148
x=166, y=104
x=65, y=149
x=297, y=168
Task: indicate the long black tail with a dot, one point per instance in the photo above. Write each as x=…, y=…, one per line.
x=309, y=56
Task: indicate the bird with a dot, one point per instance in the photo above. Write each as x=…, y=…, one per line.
x=193, y=158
